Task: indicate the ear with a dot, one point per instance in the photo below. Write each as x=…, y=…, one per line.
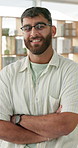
x=53, y=31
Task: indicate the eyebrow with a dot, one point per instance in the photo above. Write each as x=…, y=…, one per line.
x=35, y=24
x=40, y=23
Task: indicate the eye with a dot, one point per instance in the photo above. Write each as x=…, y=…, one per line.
x=27, y=28
x=40, y=26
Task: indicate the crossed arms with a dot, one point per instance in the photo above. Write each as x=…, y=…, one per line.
x=35, y=129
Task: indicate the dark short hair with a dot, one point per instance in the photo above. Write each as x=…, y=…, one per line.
x=36, y=11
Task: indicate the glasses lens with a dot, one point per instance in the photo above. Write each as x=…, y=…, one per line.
x=40, y=26
x=27, y=28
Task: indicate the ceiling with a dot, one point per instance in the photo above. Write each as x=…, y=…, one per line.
x=16, y=7
x=23, y=3
x=14, y=3
x=63, y=1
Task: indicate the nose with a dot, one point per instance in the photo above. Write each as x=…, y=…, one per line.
x=33, y=32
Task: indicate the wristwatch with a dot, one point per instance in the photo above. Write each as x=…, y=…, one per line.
x=17, y=119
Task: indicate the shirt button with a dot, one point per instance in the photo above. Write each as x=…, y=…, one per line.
x=36, y=99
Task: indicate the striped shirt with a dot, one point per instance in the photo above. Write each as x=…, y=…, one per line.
x=56, y=85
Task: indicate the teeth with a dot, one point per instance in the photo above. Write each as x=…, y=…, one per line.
x=35, y=40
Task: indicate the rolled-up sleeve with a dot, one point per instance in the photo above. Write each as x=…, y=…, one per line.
x=69, y=91
x=5, y=99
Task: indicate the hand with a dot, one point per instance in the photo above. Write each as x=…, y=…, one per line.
x=59, y=109
x=12, y=119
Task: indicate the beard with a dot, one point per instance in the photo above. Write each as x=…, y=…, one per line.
x=38, y=49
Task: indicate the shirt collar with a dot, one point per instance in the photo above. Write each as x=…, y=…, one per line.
x=54, y=60
x=26, y=63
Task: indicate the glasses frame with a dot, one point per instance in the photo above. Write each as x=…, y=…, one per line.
x=46, y=24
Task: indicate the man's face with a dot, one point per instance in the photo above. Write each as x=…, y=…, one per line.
x=37, y=41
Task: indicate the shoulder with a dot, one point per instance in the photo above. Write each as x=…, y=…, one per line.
x=63, y=63
x=68, y=68
x=67, y=63
x=12, y=68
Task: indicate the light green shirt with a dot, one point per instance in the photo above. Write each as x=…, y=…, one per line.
x=37, y=69
x=57, y=84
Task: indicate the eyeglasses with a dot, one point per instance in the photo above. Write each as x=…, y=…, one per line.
x=38, y=27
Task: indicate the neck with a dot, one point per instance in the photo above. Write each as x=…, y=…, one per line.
x=43, y=58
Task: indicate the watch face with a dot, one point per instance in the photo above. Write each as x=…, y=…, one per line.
x=17, y=119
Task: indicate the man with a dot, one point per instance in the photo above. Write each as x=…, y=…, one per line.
x=39, y=94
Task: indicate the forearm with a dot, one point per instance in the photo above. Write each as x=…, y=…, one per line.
x=52, y=125
x=17, y=134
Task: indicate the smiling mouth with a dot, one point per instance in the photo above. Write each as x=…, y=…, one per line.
x=35, y=40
